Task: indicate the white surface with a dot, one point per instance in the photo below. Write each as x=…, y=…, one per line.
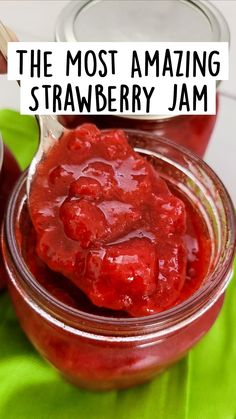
x=35, y=20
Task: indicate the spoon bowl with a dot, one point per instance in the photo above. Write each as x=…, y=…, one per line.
x=50, y=131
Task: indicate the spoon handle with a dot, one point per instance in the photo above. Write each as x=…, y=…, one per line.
x=47, y=123
x=5, y=37
x=50, y=129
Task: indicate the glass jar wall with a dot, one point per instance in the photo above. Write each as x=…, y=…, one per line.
x=100, y=352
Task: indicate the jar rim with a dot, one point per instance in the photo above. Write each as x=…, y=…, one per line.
x=164, y=322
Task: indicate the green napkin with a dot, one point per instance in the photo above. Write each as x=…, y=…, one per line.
x=201, y=386
x=20, y=133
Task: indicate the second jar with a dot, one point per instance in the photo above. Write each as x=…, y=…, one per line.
x=146, y=21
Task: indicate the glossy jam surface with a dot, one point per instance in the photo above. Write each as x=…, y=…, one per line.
x=197, y=244
x=109, y=226
x=9, y=174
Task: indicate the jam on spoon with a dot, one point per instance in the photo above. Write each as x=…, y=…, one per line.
x=106, y=221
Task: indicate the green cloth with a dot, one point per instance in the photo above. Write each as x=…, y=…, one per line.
x=20, y=133
x=201, y=386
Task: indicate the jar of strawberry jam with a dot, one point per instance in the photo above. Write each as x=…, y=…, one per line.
x=147, y=21
x=103, y=349
x=9, y=172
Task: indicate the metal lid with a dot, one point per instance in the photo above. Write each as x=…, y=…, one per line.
x=141, y=20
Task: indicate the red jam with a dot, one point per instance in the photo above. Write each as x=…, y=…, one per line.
x=97, y=347
x=106, y=221
x=9, y=174
x=190, y=131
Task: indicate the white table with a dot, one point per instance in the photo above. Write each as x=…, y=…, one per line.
x=34, y=20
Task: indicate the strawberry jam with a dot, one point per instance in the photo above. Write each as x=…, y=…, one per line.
x=97, y=342
x=108, y=225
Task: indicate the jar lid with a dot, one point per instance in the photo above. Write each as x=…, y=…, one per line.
x=141, y=20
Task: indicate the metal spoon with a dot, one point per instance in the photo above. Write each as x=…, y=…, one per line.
x=50, y=130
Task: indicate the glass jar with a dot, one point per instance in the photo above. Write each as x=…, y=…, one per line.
x=9, y=172
x=149, y=21
x=100, y=352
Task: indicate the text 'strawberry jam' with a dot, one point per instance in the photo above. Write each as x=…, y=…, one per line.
x=106, y=220
x=9, y=173
x=102, y=348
